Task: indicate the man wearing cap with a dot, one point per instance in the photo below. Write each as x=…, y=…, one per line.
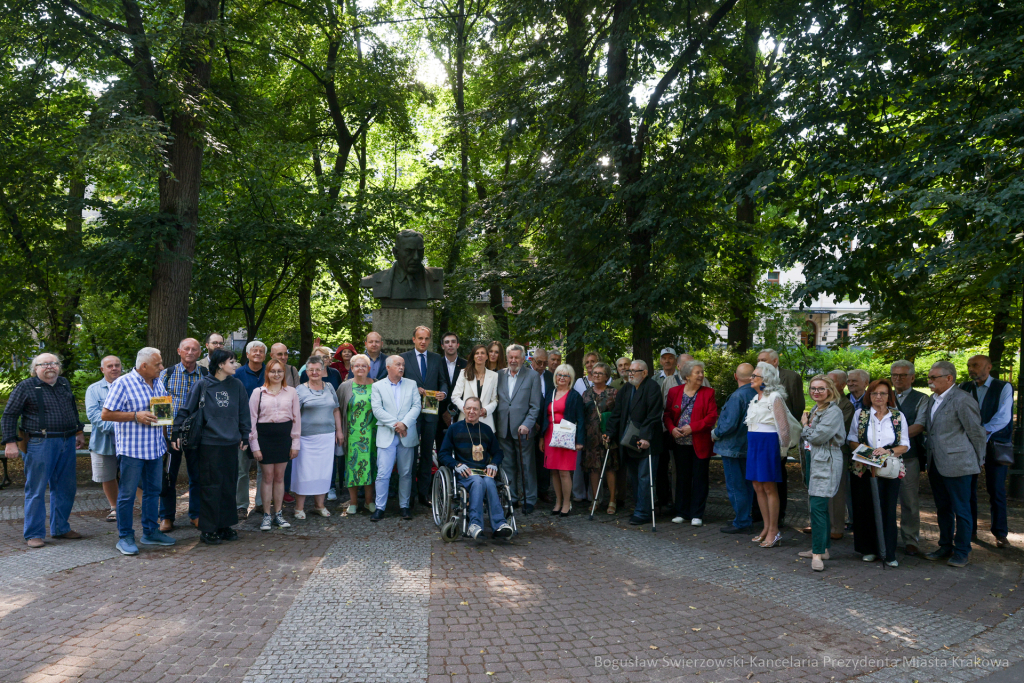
x=667, y=377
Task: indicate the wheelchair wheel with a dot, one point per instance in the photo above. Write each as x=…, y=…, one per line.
x=505, y=495
x=441, y=497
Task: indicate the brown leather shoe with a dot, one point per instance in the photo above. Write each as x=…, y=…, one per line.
x=71, y=534
x=1002, y=542
x=166, y=525
x=35, y=543
x=912, y=549
x=195, y=522
x=836, y=536
x=806, y=530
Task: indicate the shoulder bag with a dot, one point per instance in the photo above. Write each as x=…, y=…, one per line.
x=192, y=428
x=563, y=434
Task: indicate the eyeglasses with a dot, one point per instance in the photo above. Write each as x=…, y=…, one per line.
x=935, y=377
x=48, y=364
x=815, y=390
x=756, y=377
x=635, y=372
x=880, y=394
x=213, y=343
x=896, y=375
x=562, y=375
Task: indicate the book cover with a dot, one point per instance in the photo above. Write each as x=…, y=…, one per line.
x=161, y=407
x=430, y=402
x=863, y=455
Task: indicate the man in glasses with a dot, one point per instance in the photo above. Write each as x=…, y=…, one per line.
x=52, y=432
x=212, y=342
x=956, y=451
x=908, y=400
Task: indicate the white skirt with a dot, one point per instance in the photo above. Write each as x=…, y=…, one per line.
x=311, y=469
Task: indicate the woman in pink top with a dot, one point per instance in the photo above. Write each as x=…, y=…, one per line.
x=274, y=439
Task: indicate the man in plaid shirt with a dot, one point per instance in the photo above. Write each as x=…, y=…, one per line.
x=178, y=380
x=140, y=446
x=48, y=413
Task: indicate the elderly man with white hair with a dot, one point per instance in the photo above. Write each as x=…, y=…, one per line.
x=396, y=404
x=519, y=403
x=252, y=376
x=49, y=417
x=140, y=446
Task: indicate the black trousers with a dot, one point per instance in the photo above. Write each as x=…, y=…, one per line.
x=691, y=482
x=427, y=427
x=663, y=482
x=218, y=476
x=543, y=473
x=865, y=533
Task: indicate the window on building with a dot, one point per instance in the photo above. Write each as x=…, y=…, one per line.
x=773, y=277
x=809, y=334
x=843, y=332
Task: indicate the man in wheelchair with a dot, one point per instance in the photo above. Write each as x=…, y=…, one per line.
x=471, y=450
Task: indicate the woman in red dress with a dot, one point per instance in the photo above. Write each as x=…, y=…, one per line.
x=563, y=403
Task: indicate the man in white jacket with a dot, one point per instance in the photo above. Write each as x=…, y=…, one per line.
x=396, y=405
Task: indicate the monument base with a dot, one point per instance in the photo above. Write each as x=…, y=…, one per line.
x=395, y=326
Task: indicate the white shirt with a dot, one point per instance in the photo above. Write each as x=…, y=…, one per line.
x=512, y=382
x=451, y=369
x=581, y=385
x=938, y=401
x=880, y=431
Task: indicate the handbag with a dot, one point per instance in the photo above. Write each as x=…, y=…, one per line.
x=192, y=428
x=891, y=468
x=563, y=434
x=631, y=440
x=1002, y=453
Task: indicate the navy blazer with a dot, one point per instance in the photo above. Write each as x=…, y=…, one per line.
x=436, y=379
x=573, y=413
x=548, y=379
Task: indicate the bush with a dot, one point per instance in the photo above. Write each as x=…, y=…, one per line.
x=719, y=367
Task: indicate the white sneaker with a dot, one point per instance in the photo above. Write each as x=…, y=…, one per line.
x=300, y=514
x=696, y=521
x=869, y=558
x=894, y=563
x=474, y=531
x=332, y=495
x=678, y=520
x=353, y=509
x=265, y=526
x=371, y=507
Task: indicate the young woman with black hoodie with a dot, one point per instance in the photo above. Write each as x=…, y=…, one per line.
x=226, y=427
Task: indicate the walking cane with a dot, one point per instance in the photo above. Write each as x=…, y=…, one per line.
x=878, y=519
x=522, y=474
x=650, y=470
x=601, y=479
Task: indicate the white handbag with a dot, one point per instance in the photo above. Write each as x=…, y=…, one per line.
x=563, y=434
x=891, y=468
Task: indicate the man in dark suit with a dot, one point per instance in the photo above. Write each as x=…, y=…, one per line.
x=407, y=279
x=793, y=383
x=547, y=387
x=908, y=400
x=639, y=402
x=427, y=369
x=453, y=366
x=378, y=361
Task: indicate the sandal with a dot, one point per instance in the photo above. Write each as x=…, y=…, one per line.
x=775, y=541
x=611, y=508
x=758, y=539
x=112, y=515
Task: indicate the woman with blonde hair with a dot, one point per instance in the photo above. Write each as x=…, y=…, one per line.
x=822, y=434
x=767, y=436
x=274, y=438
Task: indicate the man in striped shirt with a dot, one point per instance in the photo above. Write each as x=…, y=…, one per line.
x=141, y=446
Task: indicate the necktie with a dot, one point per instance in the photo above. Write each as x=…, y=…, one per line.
x=423, y=366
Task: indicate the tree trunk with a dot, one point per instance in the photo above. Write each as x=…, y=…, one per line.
x=459, y=92
x=63, y=320
x=305, y=294
x=179, y=188
x=1000, y=323
x=742, y=303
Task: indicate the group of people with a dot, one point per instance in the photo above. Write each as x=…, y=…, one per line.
x=349, y=420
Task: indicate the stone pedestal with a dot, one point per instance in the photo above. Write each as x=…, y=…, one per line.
x=395, y=325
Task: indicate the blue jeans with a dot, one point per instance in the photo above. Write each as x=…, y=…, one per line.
x=953, y=508
x=386, y=458
x=640, y=473
x=136, y=472
x=481, y=488
x=49, y=461
x=739, y=489
x=168, y=494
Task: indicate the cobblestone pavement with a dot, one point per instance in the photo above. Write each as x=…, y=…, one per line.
x=342, y=599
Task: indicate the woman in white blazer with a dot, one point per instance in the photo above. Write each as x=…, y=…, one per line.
x=476, y=380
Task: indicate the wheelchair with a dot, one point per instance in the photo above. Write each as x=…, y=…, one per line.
x=450, y=504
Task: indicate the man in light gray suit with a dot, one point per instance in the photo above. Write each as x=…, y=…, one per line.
x=396, y=405
x=956, y=452
x=519, y=393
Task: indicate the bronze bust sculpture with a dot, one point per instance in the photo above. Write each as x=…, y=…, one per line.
x=407, y=283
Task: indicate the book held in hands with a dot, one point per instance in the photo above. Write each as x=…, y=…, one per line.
x=161, y=407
